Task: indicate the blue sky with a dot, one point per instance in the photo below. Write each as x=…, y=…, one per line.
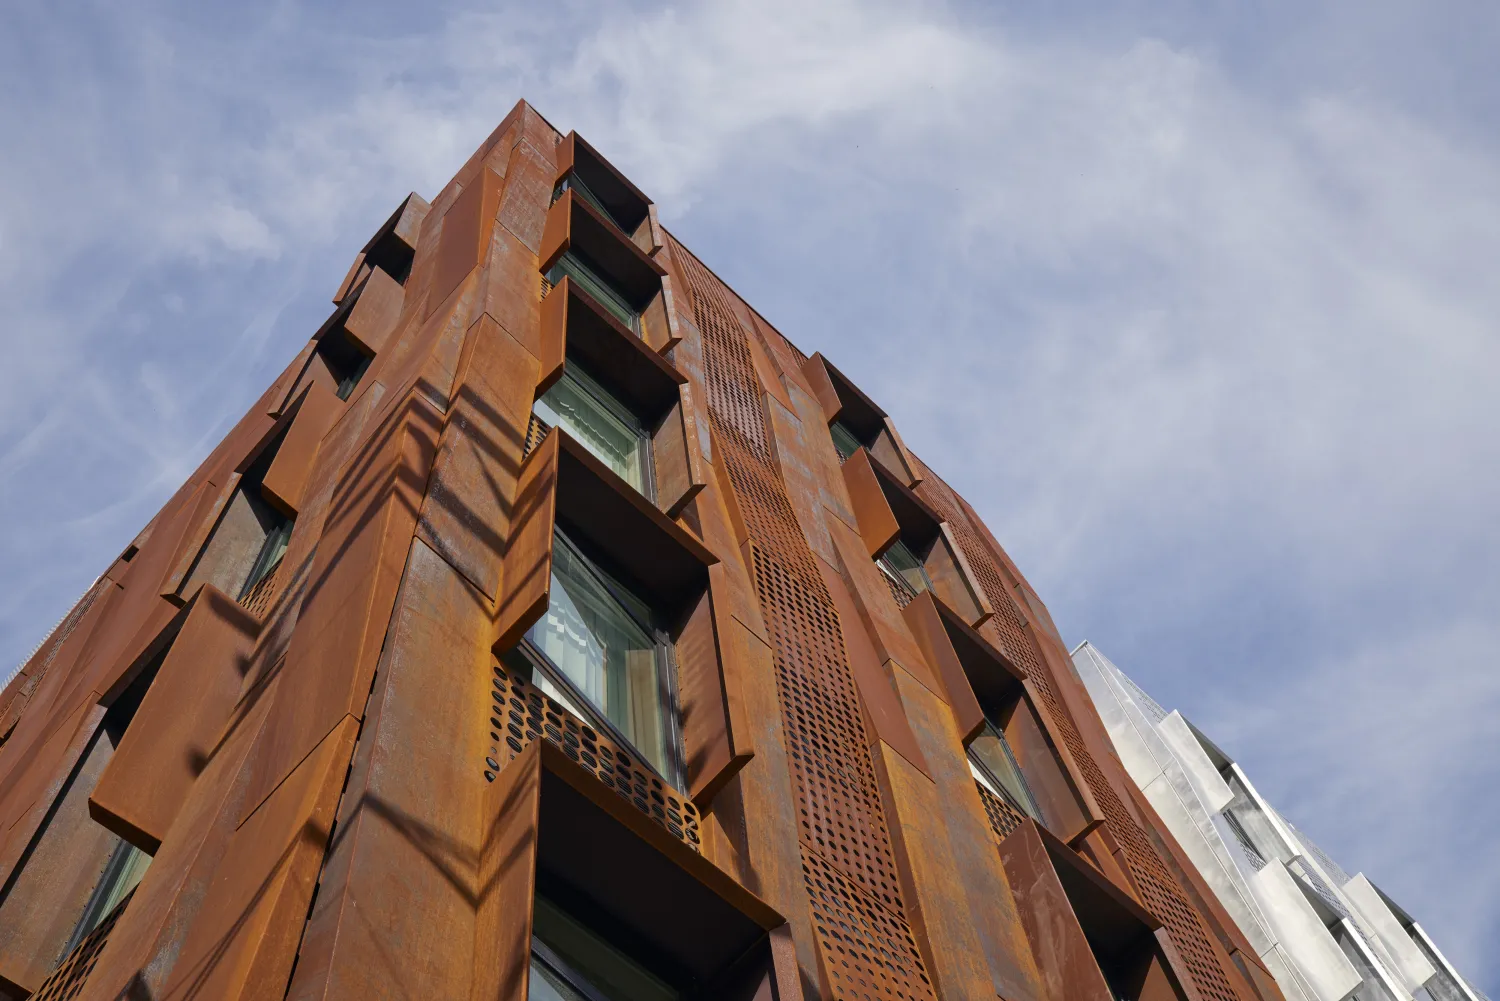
x=1193, y=301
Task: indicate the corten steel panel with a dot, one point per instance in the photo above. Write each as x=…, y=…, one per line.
x=872, y=598
x=624, y=199
x=244, y=941
x=708, y=744
x=848, y=865
x=679, y=471
x=815, y=371
x=178, y=723
x=1063, y=956
x=395, y=905
x=466, y=515
x=465, y=233
x=287, y=476
x=366, y=537
x=1048, y=781
x=376, y=312
x=506, y=885
x=144, y=947
x=877, y=522
x=526, y=573
x=1009, y=632
x=44, y=899
x=926, y=624
x=24, y=686
x=358, y=272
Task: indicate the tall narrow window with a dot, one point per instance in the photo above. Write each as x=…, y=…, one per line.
x=269, y=557
x=598, y=650
x=903, y=568
x=346, y=363
x=845, y=442
x=598, y=287
x=572, y=962
x=572, y=182
x=601, y=423
x=994, y=765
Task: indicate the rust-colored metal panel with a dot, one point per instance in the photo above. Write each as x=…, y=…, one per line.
x=554, y=334
x=877, y=523
x=396, y=900
x=712, y=750
x=467, y=512
x=142, y=950
x=926, y=624
x=366, y=537
x=949, y=583
x=908, y=463
x=815, y=371
x=528, y=190
x=963, y=580
x=375, y=313
x=507, y=830
x=1063, y=957
x=244, y=940
x=526, y=574
x=557, y=231
x=358, y=272
x=178, y=723
x=679, y=470
x=1053, y=788
x=465, y=234
x=883, y=708
x=510, y=290
x=58, y=872
x=287, y=476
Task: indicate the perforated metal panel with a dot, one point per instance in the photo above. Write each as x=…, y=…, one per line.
x=519, y=713
x=259, y=598
x=68, y=979
x=1003, y=817
x=1010, y=633
x=849, y=866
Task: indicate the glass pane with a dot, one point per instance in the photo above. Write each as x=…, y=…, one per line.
x=844, y=440
x=900, y=561
x=546, y=985
x=598, y=287
x=584, y=409
x=590, y=637
x=992, y=754
x=578, y=954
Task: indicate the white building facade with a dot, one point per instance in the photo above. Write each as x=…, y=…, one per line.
x=1323, y=934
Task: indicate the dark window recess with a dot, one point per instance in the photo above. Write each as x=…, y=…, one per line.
x=250, y=539
x=572, y=182
x=601, y=423
x=571, y=961
x=346, y=363
x=390, y=254
x=601, y=651
x=994, y=764
x=904, y=572
x=845, y=441
x=590, y=278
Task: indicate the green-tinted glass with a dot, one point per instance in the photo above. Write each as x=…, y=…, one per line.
x=844, y=440
x=598, y=287
x=991, y=752
x=901, y=563
x=586, y=411
x=602, y=648
x=583, y=955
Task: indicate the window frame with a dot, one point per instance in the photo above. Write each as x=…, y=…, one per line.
x=665, y=662
x=1030, y=807
x=614, y=302
x=579, y=374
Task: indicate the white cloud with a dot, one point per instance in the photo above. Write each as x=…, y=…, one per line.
x=1220, y=352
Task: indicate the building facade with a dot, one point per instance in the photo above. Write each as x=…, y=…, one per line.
x=553, y=627
x=1323, y=934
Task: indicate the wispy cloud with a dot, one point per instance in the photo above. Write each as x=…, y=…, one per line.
x=1196, y=313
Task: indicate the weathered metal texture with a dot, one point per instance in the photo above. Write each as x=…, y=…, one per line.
x=848, y=860
x=1206, y=964
x=1063, y=956
x=368, y=750
x=178, y=723
x=65, y=982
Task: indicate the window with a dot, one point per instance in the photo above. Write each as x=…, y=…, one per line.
x=599, y=650
x=901, y=567
x=572, y=962
x=601, y=423
x=572, y=182
x=599, y=288
x=994, y=765
x=844, y=440
x=271, y=552
x=122, y=873
x=346, y=363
